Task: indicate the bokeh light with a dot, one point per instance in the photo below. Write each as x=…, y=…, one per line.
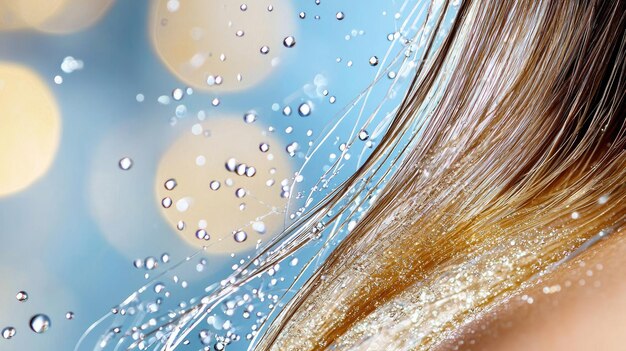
x=52, y=16
x=30, y=128
x=227, y=211
x=221, y=44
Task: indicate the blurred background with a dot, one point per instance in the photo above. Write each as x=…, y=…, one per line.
x=133, y=133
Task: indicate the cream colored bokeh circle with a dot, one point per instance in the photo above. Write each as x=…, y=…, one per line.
x=29, y=128
x=31, y=13
x=75, y=15
x=204, y=41
x=52, y=16
x=198, y=158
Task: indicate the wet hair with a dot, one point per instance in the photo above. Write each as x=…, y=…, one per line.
x=519, y=164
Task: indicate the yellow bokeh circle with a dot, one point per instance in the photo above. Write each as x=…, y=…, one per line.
x=52, y=16
x=30, y=128
x=221, y=44
x=210, y=205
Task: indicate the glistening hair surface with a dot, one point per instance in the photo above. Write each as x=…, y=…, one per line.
x=521, y=162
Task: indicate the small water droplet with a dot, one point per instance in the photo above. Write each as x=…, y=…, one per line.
x=231, y=165
x=265, y=50
x=21, y=296
x=202, y=234
x=287, y=111
x=259, y=227
x=243, y=7
x=165, y=258
x=214, y=185
x=289, y=42
x=138, y=263
x=170, y=184
x=374, y=61
x=69, y=315
x=150, y=263
x=177, y=94
x=166, y=202
x=304, y=109
x=126, y=163
x=340, y=15
x=40, y=323
x=240, y=192
x=8, y=332
x=264, y=147
x=249, y=117
x=363, y=135
x=250, y=171
x=240, y=236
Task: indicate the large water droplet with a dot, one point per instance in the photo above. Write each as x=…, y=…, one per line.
x=40, y=323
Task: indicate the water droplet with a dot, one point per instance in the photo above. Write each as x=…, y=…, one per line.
x=214, y=185
x=177, y=94
x=264, y=147
x=8, y=332
x=165, y=258
x=259, y=227
x=340, y=15
x=240, y=236
x=21, y=296
x=304, y=110
x=150, y=263
x=363, y=135
x=170, y=184
x=125, y=163
x=265, y=50
x=250, y=171
x=249, y=117
x=373, y=61
x=69, y=315
x=241, y=169
x=138, y=263
x=289, y=42
x=302, y=15
x=40, y=323
x=243, y=7
x=240, y=192
x=287, y=111
x=158, y=287
x=202, y=234
x=231, y=164
x=166, y=202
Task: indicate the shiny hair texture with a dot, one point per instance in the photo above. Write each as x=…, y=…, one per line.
x=520, y=163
